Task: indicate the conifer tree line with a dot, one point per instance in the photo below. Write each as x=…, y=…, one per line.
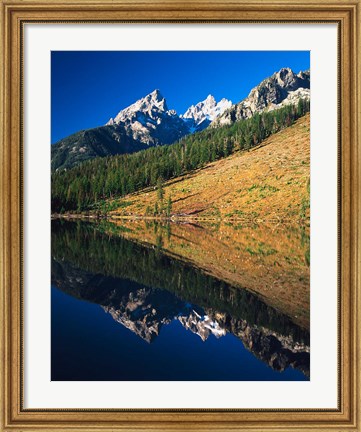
x=81, y=187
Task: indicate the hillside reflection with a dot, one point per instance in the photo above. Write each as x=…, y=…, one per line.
x=144, y=287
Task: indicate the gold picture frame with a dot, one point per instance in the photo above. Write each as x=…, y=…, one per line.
x=14, y=14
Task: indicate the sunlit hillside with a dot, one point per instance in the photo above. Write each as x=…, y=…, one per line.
x=269, y=182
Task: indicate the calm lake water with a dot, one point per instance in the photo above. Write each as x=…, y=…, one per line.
x=132, y=302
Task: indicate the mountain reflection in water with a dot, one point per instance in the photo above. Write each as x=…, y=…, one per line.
x=147, y=288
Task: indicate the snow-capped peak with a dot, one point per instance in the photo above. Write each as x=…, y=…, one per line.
x=210, y=100
x=207, y=109
x=151, y=105
x=199, y=116
x=156, y=99
x=149, y=120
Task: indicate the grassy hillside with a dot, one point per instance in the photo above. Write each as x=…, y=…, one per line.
x=87, y=185
x=269, y=182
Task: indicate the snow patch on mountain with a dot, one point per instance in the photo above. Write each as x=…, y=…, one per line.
x=202, y=325
x=150, y=121
x=199, y=116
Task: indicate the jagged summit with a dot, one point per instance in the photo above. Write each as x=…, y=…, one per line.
x=150, y=121
x=156, y=94
x=154, y=105
x=154, y=100
x=282, y=88
x=151, y=104
x=199, y=116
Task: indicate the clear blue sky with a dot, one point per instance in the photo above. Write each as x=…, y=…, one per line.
x=89, y=87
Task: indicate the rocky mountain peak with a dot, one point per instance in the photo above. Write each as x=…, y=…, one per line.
x=285, y=76
x=282, y=88
x=210, y=99
x=156, y=94
x=150, y=121
x=276, y=88
x=155, y=99
x=152, y=105
x=199, y=116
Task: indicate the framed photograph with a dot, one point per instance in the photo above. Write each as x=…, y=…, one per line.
x=180, y=194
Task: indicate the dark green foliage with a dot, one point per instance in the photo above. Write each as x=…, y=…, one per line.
x=160, y=189
x=103, y=178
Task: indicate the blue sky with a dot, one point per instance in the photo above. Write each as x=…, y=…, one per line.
x=89, y=87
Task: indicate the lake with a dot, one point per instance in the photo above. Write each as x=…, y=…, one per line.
x=144, y=300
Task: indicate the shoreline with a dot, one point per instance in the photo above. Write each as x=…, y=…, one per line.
x=180, y=219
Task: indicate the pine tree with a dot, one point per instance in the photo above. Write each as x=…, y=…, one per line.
x=160, y=190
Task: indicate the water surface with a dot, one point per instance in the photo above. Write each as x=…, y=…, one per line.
x=144, y=302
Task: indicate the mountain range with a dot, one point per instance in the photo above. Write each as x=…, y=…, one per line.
x=149, y=121
x=282, y=88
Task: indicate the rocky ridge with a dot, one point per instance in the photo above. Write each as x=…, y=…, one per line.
x=282, y=88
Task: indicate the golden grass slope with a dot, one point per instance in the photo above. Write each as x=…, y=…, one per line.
x=270, y=182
